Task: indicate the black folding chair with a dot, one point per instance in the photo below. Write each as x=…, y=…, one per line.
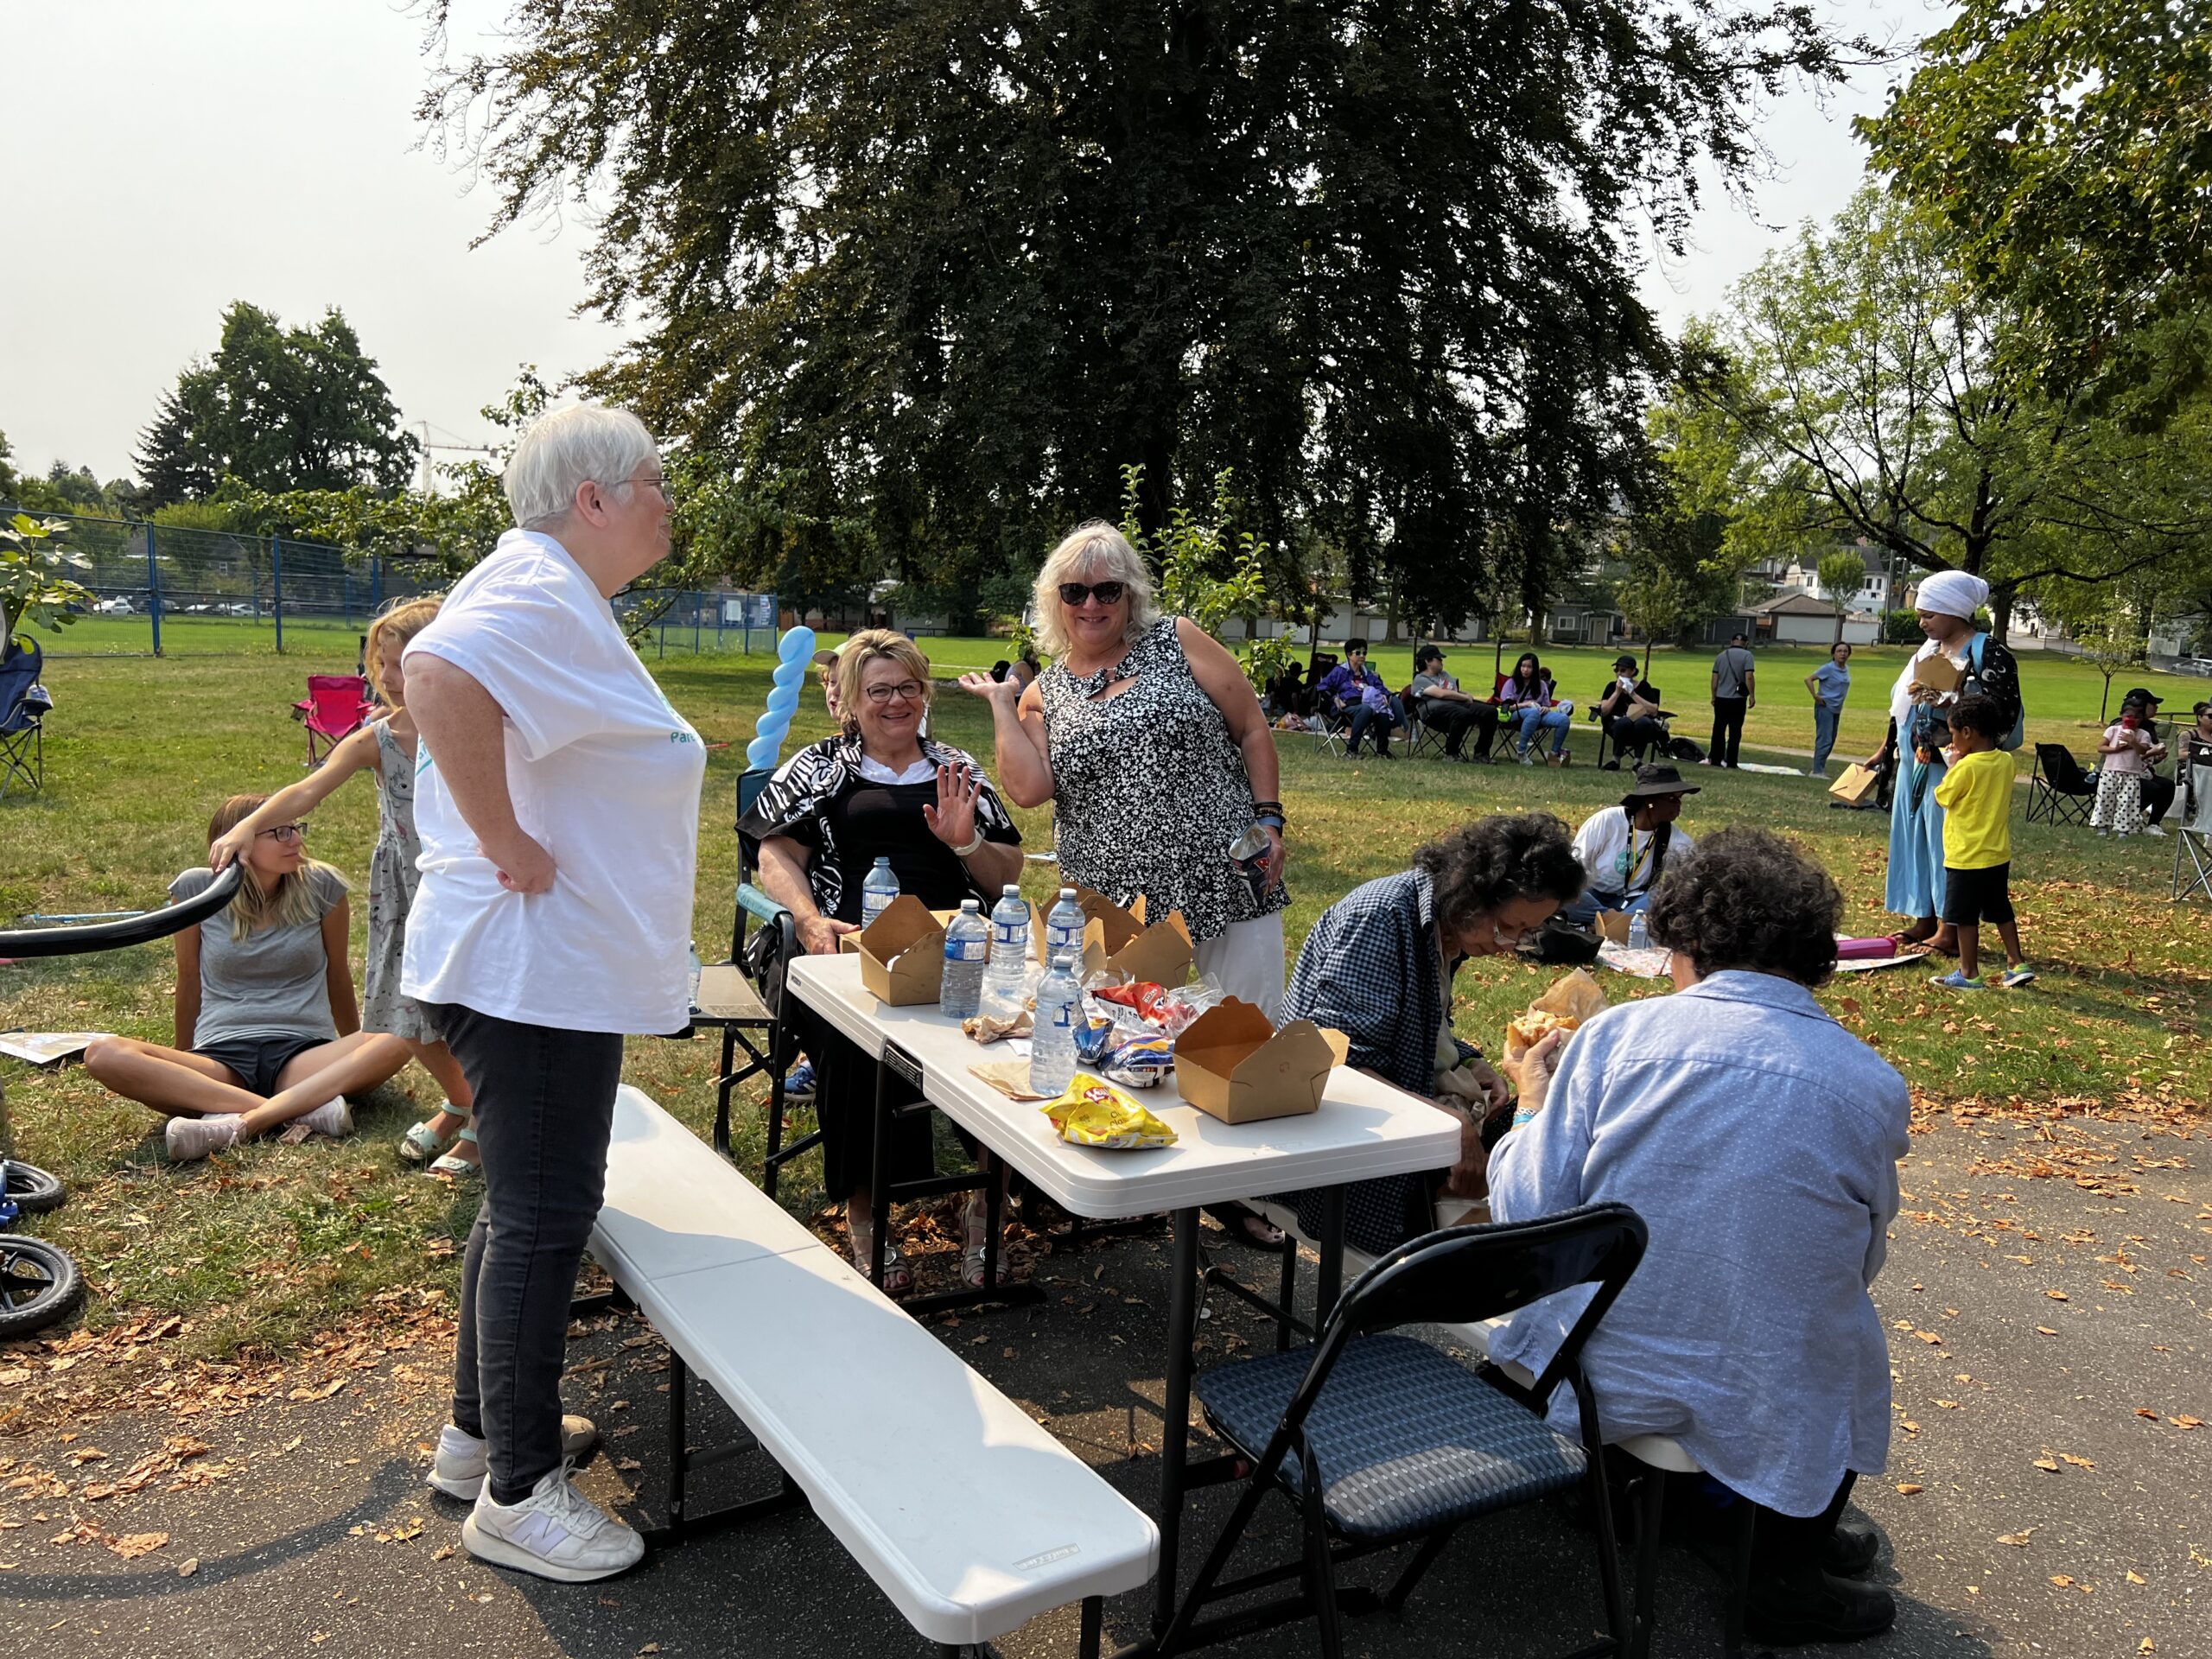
x=2059, y=791
x=24, y=705
x=739, y=997
x=1379, y=1440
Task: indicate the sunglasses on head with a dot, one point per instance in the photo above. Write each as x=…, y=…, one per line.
x=1107, y=593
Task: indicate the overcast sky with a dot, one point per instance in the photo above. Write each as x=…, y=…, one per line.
x=165, y=158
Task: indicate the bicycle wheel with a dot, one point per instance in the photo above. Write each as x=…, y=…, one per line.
x=32, y=1190
x=39, y=1284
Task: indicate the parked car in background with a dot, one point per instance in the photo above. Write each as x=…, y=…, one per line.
x=2195, y=665
x=118, y=606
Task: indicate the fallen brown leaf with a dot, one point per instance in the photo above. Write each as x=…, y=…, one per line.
x=1910, y=1489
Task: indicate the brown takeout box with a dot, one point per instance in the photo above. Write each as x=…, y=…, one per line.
x=901, y=953
x=1117, y=940
x=1856, y=784
x=1613, y=925
x=1233, y=1064
x=1939, y=673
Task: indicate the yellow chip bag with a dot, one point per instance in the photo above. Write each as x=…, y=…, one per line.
x=1095, y=1114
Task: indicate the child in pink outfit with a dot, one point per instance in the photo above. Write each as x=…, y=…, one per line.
x=2119, y=807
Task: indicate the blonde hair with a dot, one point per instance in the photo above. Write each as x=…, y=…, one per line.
x=1093, y=552
x=398, y=622
x=291, y=902
x=873, y=645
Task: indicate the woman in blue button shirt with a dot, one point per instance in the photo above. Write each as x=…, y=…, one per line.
x=1759, y=1142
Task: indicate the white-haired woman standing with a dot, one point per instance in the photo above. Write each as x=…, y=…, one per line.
x=557, y=800
x=1946, y=602
x=1150, y=743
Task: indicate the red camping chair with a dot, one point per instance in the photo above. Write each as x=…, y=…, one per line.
x=332, y=710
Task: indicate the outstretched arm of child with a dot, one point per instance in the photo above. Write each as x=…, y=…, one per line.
x=357, y=753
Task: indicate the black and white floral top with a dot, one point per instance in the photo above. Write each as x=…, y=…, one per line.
x=850, y=815
x=1149, y=788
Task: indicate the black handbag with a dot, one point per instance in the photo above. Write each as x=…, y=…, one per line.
x=1559, y=942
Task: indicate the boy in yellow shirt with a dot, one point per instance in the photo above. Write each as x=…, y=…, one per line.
x=1976, y=796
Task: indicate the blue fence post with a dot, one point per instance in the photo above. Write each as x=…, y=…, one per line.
x=695, y=625
x=376, y=582
x=154, y=586
x=277, y=588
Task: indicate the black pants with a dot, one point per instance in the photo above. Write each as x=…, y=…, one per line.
x=1637, y=737
x=2157, y=795
x=544, y=1114
x=844, y=1104
x=1786, y=1544
x=1727, y=730
x=1456, y=720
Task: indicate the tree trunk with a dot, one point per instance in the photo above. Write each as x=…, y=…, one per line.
x=2000, y=611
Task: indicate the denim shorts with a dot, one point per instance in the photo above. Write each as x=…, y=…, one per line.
x=259, y=1061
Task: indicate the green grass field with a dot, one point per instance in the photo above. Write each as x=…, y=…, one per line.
x=265, y=1246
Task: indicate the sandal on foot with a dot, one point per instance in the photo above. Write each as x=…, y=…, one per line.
x=1247, y=1226
x=861, y=1240
x=975, y=1221
x=453, y=1163
x=423, y=1142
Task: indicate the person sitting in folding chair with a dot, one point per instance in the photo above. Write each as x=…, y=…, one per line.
x=1355, y=691
x=1629, y=714
x=1440, y=703
x=1759, y=1142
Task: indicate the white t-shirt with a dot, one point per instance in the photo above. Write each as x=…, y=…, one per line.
x=603, y=772
x=1617, y=858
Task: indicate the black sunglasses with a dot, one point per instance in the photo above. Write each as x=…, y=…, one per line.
x=1108, y=593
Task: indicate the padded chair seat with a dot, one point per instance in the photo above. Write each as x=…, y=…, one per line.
x=1407, y=1439
x=727, y=997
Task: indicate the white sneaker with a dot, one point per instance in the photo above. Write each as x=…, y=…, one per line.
x=463, y=1461
x=556, y=1532
x=332, y=1117
x=190, y=1138
x=2153, y=830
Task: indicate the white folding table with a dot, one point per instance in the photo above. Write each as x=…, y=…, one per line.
x=1364, y=1129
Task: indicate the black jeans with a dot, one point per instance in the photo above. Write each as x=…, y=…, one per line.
x=1727, y=729
x=1455, y=719
x=545, y=1113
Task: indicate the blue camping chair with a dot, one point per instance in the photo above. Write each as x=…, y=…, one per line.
x=24, y=705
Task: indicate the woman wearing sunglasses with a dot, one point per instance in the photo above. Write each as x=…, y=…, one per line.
x=1149, y=742
x=267, y=1031
x=880, y=790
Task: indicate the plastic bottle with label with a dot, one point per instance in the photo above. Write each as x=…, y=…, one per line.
x=1639, y=934
x=878, y=891
x=967, y=946
x=1052, y=1051
x=1063, y=927
x=1007, y=976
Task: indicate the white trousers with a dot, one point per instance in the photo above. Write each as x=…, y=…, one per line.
x=1246, y=961
x=2119, y=803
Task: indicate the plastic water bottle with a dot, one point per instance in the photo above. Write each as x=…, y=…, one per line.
x=1008, y=974
x=1638, y=934
x=1063, y=927
x=1052, y=1051
x=695, y=972
x=967, y=944
x=878, y=891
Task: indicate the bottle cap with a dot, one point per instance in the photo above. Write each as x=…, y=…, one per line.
x=1011, y=890
x=1067, y=892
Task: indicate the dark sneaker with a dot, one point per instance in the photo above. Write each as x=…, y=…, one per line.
x=1815, y=1607
x=1850, y=1548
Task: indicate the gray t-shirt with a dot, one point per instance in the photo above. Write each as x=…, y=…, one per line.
x=270, y=983
x=1731, y=669
x=1424, y=683
x=1836, y=683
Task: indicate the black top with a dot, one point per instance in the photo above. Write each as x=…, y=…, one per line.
x=868, y=820
x=1644, y=689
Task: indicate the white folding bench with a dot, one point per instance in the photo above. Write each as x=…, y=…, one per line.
x=967, y=1514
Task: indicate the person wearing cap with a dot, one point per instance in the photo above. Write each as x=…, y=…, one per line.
x=1442, y=704
x=1628, y=712
x=2157, y=790
x=1946, y=602
x=1623, y=850
x=1735, y=694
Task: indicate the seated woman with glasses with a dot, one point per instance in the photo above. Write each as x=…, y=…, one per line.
x=1378, y=966
x=880, y=790
x=267, y=1031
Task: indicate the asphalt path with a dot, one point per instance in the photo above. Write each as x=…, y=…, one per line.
x=2046, y=1494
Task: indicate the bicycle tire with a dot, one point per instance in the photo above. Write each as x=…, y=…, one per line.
x=32, y=1190
x=39, y=1285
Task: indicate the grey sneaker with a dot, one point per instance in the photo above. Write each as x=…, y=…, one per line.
x=332, y=1117
x=191, y=1138
x=556, y=1532
x=463, y=1461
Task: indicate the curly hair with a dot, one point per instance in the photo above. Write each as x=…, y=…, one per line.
x=1978, y=715
x=1481, y=867
x=1748, y=899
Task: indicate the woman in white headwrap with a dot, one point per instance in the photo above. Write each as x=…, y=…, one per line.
x=1947, y=603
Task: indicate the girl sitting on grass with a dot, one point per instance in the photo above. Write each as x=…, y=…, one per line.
x=266, y=1031
x=385, y=747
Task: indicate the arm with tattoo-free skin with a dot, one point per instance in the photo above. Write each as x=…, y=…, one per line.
x=465, y=728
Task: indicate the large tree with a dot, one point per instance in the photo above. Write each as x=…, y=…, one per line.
x=277, y=408
x=1871, y=385
x=941, y=268
x=2068, y=143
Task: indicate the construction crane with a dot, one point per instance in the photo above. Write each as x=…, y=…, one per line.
x=424, y=429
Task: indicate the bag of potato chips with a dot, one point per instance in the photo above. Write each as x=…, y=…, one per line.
x=1095, y=1114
